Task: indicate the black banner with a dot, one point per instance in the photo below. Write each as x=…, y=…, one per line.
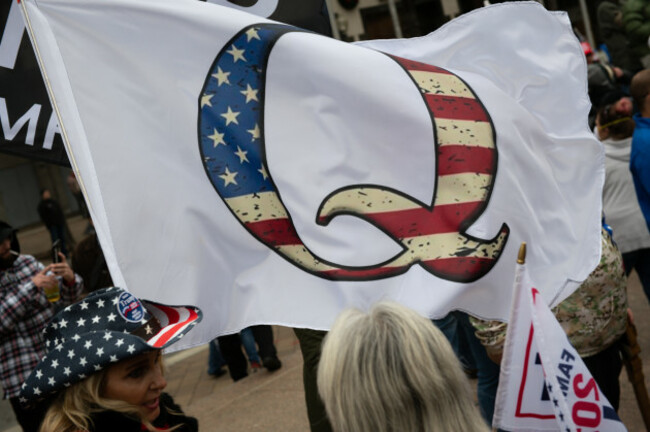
x=307, y=14
x=28, y=126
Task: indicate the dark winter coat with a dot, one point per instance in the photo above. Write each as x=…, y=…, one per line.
x=610, y=23
x=111, y=421
x=636, y=20
x=50, y=213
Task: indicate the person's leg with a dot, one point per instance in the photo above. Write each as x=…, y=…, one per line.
x=230, y=346
x=642, y=267
x=629, y=261
x=53, y=233
x=487, y=370
x=69, y=238
x=310, y=347
x=57, y=232
x=264, y=338
x=605, y=367
x=215, y=360
x=30, y=418
x=248, y=340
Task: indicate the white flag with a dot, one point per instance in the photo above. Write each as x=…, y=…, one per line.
x=270, y=175
x=544, y=384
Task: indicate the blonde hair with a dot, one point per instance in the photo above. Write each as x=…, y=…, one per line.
x=393, y=370
x=73, y=407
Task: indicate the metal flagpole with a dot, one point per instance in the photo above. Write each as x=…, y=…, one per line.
x=55, y=107
x=395, y=18
x=335, y=28
x=587, y=21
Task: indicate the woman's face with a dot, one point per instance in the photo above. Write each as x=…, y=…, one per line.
x=138, y=381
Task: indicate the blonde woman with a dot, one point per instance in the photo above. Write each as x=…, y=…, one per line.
x=392, y=370
x=103, y=371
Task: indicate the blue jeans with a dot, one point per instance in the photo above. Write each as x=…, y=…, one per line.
x=230, y=346
x=460, y=333
x=248, y=340
x=215, y=359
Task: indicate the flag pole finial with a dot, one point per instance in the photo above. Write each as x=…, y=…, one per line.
x=521, y=257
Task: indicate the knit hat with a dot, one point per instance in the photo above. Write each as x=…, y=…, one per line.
x=6, y=231
x=108, y=326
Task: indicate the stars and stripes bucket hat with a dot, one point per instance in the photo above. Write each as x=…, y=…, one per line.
x=108, y=326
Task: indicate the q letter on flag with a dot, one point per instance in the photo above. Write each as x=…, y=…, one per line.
x=544, y=384
x=273, y=175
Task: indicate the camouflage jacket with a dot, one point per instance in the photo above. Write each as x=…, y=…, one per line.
x=593, y=317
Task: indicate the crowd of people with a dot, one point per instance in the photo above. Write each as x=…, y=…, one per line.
x=51, y=316
x=70, y=363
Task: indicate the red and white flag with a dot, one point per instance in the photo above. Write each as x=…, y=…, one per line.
x=544, y=384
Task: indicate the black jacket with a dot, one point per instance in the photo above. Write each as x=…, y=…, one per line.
x=50, y=212
x=111, y=421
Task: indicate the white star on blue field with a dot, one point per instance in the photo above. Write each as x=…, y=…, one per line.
x=232, y=113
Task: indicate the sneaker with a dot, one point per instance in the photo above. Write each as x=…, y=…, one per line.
x=272, y=363
x=255, y=366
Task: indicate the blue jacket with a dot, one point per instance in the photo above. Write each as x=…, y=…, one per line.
x=640, y=164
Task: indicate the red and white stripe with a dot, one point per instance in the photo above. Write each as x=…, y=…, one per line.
x=173, y=320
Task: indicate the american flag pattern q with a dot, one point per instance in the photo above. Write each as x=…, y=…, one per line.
x=231, y=140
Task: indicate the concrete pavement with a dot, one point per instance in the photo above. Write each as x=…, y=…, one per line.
x=275, y=401
x=263, y=401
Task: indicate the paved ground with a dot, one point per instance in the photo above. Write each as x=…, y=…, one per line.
x=274, y=401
